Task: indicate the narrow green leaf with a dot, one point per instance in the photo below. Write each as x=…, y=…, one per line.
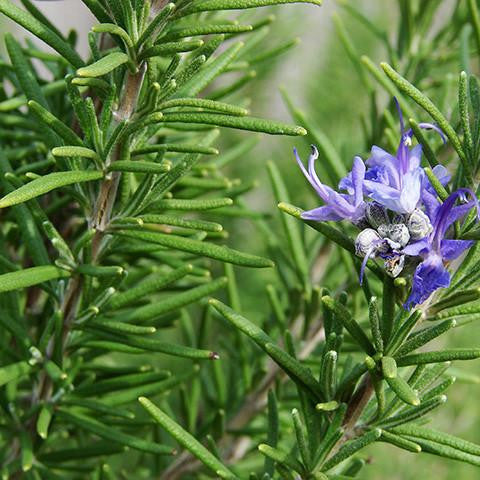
x=211, y=70
x=464, y=115
x=92, y=82
x=43, y=421
x=272, y=429
x=192, y=205
x=328, y=378
x=30, y=276
x=403, y=390
x=207, y=29
x=67, y=134
x=436, y=184
x=175, y=147
x=136, y=166
x=121, y=327
x=344, y=316
x=292, y=367
x=108, y=433
x=439, y=356
x=459, y=298
x=149, y=285
x=182, y=222
x=281, y=457
x=375, y=324
x=438, y=437
x=212, y=5
x=14, y=371
x=400, y=442
x=169, y=48
x=74, y=151
x=389, y=367
x=352, y=447
x=115, y=384
x=23, y=71
x=104, y=65
x=198, y=247
x=186, y=440
x=46, y=184
x=26, y=446
x=332, y=435
x=153, y=345
x=242, y=123
x=131, y=394
x=413, y=413
x=424, y=336
x=177, y=301
x=93, y=449
x=402, y=332
x=113, y=29
x=447, y=452
x=156, y=24
x=302, y=442
x=204, y=103
x=30, y=23
x=101, y=407
x=230, y=89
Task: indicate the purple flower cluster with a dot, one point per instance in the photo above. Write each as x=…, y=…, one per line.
x=390, y=199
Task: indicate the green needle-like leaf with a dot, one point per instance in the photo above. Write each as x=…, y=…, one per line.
x=281, y=457
x=113, y=434
x=186, y=440
x=30, y=276
x=14, y=371
x=104, y=65
x=344, y=316
x=439, y=356
x=212, y=5
x=197, y=247
x=352, y=447
x=141, y=167
x=292, y=367
x=241, y=123
x=46, y=184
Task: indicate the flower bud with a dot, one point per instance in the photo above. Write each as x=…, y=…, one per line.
x=367, y=240
x=418, y=225
x=396, y=234
x=376, y=214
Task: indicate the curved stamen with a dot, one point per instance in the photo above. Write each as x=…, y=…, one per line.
x=366, y=258
x=431, y=126
x=315, y=183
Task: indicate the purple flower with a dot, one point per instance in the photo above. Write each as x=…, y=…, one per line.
x=435, y=249
x=396, y=181
x=338, y=206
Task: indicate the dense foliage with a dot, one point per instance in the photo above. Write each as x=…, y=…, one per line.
x=133, y=346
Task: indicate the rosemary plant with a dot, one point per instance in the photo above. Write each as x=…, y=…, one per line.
x=128, y=350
